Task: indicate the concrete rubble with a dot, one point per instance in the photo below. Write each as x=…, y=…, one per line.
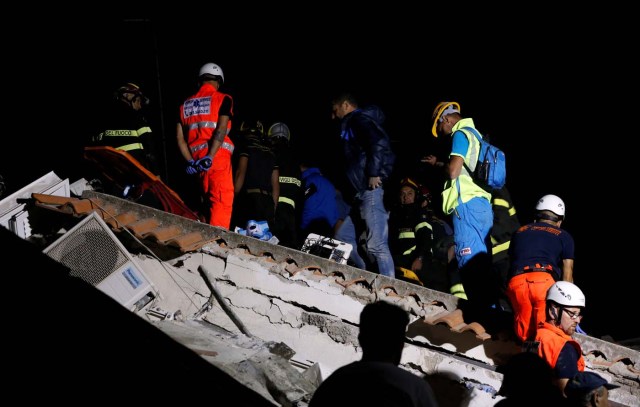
x=272, y=322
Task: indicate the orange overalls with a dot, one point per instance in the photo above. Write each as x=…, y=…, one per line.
x=199, y=114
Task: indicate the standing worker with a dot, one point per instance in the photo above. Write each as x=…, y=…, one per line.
x=125, y=128
x=256, y=177
x=203, y=139
x=370, y=161
x=470, y=208
x=285, y=226
x=541, y=253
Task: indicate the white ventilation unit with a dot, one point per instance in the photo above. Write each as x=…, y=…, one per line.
x=95, y=255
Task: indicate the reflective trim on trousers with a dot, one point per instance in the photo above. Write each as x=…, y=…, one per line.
x=287, y=200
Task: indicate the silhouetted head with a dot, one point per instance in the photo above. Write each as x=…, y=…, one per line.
x=382, y=332
x=523, y=372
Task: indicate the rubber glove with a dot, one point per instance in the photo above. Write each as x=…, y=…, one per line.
x=204, y=164
x=192, y=167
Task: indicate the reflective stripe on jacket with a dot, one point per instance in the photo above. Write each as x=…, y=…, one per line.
x=123, y=139
x=468, y=188
x=199, y=114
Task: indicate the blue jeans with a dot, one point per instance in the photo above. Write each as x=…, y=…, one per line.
x=347, y=233
x=376, y=230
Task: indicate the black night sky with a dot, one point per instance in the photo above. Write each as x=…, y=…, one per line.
x=552, y=90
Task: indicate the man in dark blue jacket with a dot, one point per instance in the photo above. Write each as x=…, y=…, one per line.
x=369, y=163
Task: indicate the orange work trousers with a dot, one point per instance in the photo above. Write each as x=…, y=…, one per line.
x=527, y=293
x=217, y=187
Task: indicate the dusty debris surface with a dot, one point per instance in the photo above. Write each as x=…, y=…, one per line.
x=269, y=320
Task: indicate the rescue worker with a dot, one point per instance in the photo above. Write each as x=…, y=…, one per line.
x=125, y=128
x=202, y=135
x=541, y=253
x=470, y=208
x=256, y=177
x=285, y=226
x=411, y=238
x=565, y=305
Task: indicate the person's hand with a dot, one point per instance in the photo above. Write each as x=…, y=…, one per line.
x=430, y=159
x=374, y=182
x=204, y=164
x=192, y=168
x=417, y=264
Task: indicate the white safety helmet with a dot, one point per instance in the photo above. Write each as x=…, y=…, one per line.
x=551, y=203
x=566, y=294
x=279, y=130
x=212, y=69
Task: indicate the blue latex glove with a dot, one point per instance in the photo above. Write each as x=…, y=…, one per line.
x=192, y=168
x=204, y=164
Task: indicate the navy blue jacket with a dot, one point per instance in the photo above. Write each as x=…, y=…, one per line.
x=367, y=147
x=319, y=200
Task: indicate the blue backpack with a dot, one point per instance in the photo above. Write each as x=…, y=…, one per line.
x=491, y=169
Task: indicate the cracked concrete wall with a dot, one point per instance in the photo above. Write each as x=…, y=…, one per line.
x=318, y=317
x=312, y=316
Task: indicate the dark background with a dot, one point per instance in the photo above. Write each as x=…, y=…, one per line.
x=553, y=90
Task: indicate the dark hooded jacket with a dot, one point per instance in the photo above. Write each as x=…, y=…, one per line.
x=367, y=147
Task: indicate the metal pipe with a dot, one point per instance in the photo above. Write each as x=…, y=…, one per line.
x=209, y=280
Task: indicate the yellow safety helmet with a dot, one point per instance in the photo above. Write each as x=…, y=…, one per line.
x=408, y=182
x=437, y=114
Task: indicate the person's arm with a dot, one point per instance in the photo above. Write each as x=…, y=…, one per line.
x=218, y=136
x=182, y=143
x=377, y=147
x=424, y=243
x=433, y=161
x=459, y=147
x=225, y=113
x=455, y=166
x=275, y=185
x=567, y=270
x=241, y=172
x=566, y=365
